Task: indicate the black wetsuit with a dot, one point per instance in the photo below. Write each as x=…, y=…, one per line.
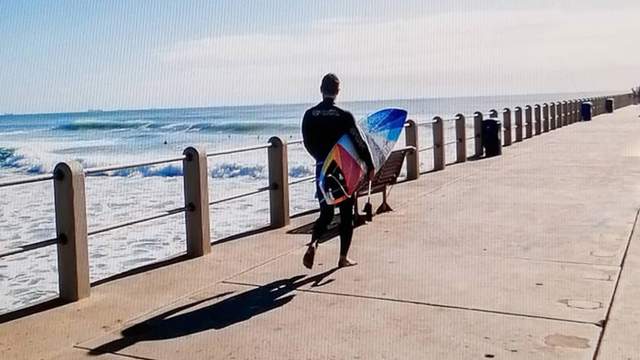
x=322, y=126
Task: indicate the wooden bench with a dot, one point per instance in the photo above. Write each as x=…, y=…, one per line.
x=386, y=176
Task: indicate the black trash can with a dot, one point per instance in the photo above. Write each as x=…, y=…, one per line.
x=586, y=111
x=491, y=139
x=610, y=105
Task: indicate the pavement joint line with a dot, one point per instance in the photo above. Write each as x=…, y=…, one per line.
x=442, y=306
x=116, y=354
x=554, y=261
x=615, y=288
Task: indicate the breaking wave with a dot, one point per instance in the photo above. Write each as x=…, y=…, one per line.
x=239, y=127
x=15, y=162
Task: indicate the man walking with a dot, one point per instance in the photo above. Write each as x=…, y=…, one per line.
x=322, y=127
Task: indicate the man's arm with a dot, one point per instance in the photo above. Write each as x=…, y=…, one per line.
x=307, y=137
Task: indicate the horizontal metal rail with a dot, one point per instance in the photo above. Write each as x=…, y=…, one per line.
x=240, y=196
x=29, y=247
x=295, y=142
x=423, y=123
x=138, y=221
x=129, y=166
x=451, y=142
x=26, y=181
x=425, y=148
x=304, y=179
x=406, y=148
x=239, y=150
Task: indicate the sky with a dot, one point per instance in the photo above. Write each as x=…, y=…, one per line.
x=58, y=56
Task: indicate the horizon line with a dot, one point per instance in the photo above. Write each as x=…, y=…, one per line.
x=97, y=110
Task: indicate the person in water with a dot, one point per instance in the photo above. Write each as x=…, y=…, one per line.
x=322, y=126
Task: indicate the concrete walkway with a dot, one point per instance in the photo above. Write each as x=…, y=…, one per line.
x=530, y=255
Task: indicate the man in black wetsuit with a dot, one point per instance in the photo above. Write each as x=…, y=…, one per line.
x=322, y=127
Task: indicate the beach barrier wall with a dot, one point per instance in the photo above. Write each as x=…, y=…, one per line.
x=72, y=236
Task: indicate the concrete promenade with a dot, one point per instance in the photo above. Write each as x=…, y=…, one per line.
x=531, y=255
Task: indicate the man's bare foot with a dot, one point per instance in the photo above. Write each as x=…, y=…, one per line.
x=345, y=262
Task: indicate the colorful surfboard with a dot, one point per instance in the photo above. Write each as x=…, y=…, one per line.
x=343, y=171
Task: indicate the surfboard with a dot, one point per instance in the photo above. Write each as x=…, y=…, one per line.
x=343, y=171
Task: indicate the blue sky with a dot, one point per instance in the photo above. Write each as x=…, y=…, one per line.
x=76, y=55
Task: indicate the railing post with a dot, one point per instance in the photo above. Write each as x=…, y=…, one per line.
x=528, y=121
x=196, y=201
x=438, y=144
x=574, y=112
x=610, y=105
x=413, y=157
x=538, y=119
x=477, y=132
x=559, y=117
x=279, y=183
x=506, y=123
x=545, y=117
x=71, y=230
x=461, y=138
x=518, y=115
x=553, y=115
x=562, y=106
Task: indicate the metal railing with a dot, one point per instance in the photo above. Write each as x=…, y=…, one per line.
x=69, y=189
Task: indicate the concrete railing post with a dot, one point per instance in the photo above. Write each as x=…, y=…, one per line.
x=196, y=201
x=518, y=116
x=477, y=130
x=538, y=119
x=565, y=113
x=279, y=183
x=506, y=123
x=438, y=144
x=71, y=230
x=559, y=114
x=610, y=105
x=545, y=117
x=552, y=116
x=528, y=121
x=413, y=157
x=461, y=138
x=574, y=111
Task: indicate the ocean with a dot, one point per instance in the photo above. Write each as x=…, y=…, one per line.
x=31, y=145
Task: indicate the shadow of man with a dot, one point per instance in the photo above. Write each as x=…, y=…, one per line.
x=229, y=311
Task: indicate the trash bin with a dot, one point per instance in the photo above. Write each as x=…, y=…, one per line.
x=610, y=105
x=586, y=110
x=491, y=139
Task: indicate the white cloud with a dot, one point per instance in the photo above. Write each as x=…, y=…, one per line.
x=446, y=54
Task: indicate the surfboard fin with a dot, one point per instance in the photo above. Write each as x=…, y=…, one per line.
x=368, y=212
x=368, y=208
